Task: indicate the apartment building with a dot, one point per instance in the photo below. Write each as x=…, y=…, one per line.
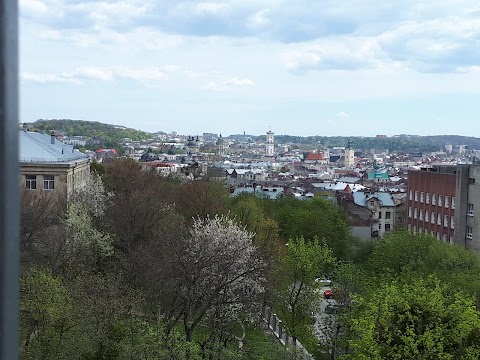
x=47, y=164
x=467, y=207
x=431, y=197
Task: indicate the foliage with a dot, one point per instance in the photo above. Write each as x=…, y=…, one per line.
x=112, y=134
x=297, y=297
x=316, y=218
x=46, y=316
x=416, y=320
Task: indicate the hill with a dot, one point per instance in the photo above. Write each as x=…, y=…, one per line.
x=113, y=134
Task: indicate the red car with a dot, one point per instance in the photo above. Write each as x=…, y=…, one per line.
x=328, y=294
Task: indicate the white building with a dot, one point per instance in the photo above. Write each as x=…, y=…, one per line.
x=270, y=146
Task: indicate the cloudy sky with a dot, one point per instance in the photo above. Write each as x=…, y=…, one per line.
x=303, y=67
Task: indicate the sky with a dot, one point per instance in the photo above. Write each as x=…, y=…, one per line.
x=303, y=67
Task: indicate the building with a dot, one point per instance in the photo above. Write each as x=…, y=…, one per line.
x=47, y=164
x=431, y=194
x=220, y=150
x=381, y=207
x=467, y=195
x=349, y=155
x=270, y=146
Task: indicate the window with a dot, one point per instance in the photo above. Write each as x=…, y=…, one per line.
x=422, y=195
x=444, y=237
x=452, y=223
x=414, y=229
x=447, y=201
x=432, y=233
x=421, y=215
x=379, y=214
x=471, y=181
x=439, y=219
x=470, y=209
x=434, y=199
x=427, y=216
x=440, y=200
x=387, y=227
x=438, y=236
x=469, y=233
x=433, y=217
x=415, y=211
x=48, y=182
x=409, y=227
x=427, y=198
x=416, y=195
x=445, y=220
x=31, y=182
x=451, y=239
x=411, y=195
x=388, y=215
x=453, y=202
x=372, y=203
x=410, y=212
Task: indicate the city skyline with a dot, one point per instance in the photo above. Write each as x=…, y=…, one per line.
x=301, y=67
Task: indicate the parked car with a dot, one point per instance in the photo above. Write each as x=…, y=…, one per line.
x=328, y=294
x=323, y=282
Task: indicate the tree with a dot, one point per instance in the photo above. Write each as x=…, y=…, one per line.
x=423, y=319
x=297, y=296
x=315, y=218
x=219, y=268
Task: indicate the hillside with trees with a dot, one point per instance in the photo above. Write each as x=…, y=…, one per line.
x=112, y=134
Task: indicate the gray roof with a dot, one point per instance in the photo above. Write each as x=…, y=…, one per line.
x=349, y=179
x=384, y=198
x=259, y=190
x=39, y=148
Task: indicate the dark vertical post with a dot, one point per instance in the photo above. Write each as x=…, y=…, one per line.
x=9, y=180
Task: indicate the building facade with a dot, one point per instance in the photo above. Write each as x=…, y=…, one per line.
x=269, y=145
x=47, y=164
x=431, y=199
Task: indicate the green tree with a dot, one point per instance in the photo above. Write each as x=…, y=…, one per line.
x=296, y=299
x=423, y=319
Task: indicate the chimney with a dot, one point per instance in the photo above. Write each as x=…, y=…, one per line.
x=52, y=139
x=42, y=129
x=25, y=127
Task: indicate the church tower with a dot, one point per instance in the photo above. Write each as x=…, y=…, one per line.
x=220, y=146
x=349, y=155
x=270, y=146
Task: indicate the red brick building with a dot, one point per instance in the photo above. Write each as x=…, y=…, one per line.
x=431, y=201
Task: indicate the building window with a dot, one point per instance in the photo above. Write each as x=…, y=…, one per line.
x=427, y=198
x=432, y=217
x=31, y=182
x=453, y=202
x=440, y=200
x=434, y=199
x=416, y=195
x=470, y=209
x=48, y=182
x=421, y=215
x=414, y=229
x=387, y=227
x=432, y=233
x=411, y=195
x=422, y=194
x=452, y=223
x=447, y=201
x=451, y=239
x=415, y=211
x=438, y=236
x=439, y=219
x=471, y=181
x=427, y=215
x=469, y=233
x=445, y=220
x=372, y=203
x=379, y=214
x=388, y=215
x=409, y=227
x=444, y=237
x=410, y=212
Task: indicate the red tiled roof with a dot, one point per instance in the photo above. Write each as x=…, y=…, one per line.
x=313, y=156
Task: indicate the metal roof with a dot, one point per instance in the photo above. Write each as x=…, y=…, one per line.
x=42, y=148
x=384, y=198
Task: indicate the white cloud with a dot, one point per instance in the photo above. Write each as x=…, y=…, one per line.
x=33, y=7
x=342, y=115
x=80, y=74
x=229, y=84
x=258, y=20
